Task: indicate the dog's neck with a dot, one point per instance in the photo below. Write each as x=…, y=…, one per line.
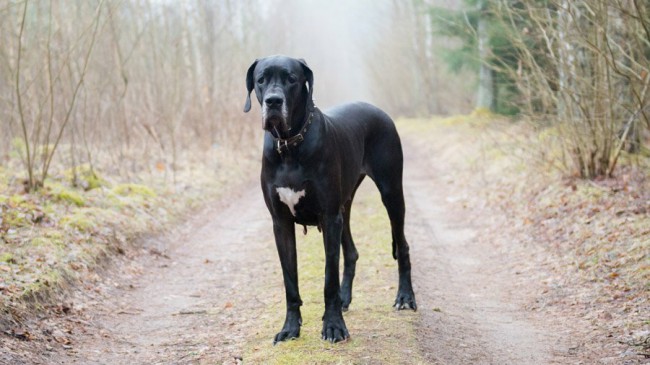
x=295, y=136
x=298, y=119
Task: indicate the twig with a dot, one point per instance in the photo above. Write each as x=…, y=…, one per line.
x=186, y=312
x=125, y=311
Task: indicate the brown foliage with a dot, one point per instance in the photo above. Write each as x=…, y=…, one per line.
x=584, y=65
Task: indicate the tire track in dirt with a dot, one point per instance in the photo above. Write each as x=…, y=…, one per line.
x=469, y=314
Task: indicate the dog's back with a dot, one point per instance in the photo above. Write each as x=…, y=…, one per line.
x=363, y=125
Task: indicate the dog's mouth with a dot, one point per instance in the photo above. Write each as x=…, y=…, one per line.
x=275, y=124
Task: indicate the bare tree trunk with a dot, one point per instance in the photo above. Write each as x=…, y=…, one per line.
x=486, y=86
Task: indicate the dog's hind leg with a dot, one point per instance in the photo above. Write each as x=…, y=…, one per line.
x=393, y=199
x=350, y=254
x=384, y=165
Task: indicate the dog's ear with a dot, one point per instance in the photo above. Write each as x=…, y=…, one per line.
x=250, y=85
x=309, y=75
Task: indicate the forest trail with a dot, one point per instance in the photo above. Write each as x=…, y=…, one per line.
x=473, y=315
x=192, y=294
x=199, y=295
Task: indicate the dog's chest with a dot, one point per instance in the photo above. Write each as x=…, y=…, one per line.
x=295, y=192
x=290, y=197
x=300, y=200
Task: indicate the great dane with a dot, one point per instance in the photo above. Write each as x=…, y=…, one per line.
x=312, y=164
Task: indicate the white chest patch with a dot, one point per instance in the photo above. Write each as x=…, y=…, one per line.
x=290, y=197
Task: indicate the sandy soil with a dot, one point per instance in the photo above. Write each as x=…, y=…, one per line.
x=478, y=316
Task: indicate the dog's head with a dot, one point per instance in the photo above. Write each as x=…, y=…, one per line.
x=283, y=86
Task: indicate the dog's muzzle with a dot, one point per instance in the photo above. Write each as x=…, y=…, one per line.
x=275, y=113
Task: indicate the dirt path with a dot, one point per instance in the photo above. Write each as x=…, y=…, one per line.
x=195, y=298
x=478, y=316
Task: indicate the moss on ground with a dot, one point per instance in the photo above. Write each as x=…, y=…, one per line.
x=58, y=234
x=7, y=257
x=62, y=193
x=134, y=190
x=85, y=177
x=78, y=220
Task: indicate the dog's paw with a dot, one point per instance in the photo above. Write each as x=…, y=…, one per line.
x=405, y=300
x=291, y=328
x=287, y=334
x=334, y=329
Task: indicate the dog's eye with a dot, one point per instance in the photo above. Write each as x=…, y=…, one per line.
x=292, y=79
x=260, y=80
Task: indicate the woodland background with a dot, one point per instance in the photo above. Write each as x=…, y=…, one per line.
x=121, y=83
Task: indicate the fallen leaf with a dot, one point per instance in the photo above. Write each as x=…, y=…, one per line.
x=62, y=308
x=20, y=334
x=60, y=337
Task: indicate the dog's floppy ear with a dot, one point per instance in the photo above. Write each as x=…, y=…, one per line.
x=250, y=85
x=310, y=80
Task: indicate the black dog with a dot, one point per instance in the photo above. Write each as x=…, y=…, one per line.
x=312, y=164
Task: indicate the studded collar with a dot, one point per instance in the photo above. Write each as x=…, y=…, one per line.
x=284, y=145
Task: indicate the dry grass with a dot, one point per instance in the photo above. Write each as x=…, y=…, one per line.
x=588, y=241
x=60, y=234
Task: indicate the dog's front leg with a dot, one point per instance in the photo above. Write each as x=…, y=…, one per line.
x=334, y=329
x=285, y=241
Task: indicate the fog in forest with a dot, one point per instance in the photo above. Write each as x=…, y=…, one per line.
x=333, y=37
x=361, y=50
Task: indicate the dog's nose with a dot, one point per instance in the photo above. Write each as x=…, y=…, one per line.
x=273, y=101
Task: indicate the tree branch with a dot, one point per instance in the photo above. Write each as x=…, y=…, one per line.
x=21, y=113
x=76, y=90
